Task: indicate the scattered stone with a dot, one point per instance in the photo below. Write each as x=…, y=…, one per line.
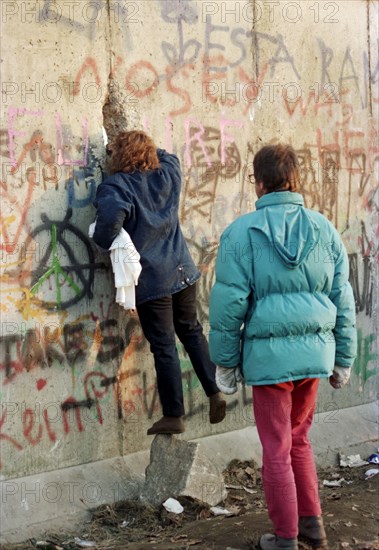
x=179, y=468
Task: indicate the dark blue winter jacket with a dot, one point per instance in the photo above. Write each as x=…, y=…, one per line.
x=146, y=205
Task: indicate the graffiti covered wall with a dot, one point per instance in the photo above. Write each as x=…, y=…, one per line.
x=211, y=81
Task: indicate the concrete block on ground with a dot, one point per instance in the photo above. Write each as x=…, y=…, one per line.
x=180, y=468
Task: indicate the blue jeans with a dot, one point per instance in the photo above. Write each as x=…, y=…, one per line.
x=160, y=320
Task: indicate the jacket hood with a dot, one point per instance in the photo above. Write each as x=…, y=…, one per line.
x=287, y=225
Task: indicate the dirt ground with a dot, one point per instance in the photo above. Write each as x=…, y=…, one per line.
x=350, y=516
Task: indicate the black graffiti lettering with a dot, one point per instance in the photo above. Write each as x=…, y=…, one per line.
x=363, y=284
x=149, y=408
x=112, y=341
x=74, y=343
x=11, y=363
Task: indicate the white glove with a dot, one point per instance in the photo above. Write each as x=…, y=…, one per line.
x=227, y=379
x=340, y=377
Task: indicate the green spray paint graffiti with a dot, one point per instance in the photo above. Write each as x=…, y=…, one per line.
x=364, y=356
x=64, y=242
x=56, y=270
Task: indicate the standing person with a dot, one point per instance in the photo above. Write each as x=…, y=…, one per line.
x=142, y=196
x=283, y=309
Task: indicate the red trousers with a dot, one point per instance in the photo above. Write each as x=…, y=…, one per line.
x=283, y=414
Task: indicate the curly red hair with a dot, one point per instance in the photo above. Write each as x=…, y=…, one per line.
x=131, y=151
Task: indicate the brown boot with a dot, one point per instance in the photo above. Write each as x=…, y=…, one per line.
x=167, y=425
x=217, y=408
x=311, y=530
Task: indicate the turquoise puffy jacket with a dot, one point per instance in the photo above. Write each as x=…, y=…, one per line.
x=282, y=306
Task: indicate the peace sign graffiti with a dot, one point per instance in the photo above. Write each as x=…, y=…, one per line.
x=66, y=268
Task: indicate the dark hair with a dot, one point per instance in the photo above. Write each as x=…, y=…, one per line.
x=277, y=167
x=133, y=150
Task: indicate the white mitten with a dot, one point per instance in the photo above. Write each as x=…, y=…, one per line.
x=227, y=379
x=340, y=377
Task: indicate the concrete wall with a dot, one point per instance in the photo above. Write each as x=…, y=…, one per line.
x=212, y=81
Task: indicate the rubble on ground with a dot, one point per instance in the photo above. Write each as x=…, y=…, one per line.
x=350, y=516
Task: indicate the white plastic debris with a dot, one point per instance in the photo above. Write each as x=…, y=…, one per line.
x=352, y=461
x=333, y=483
x=124, y=523
x=218, y=511
x=371, y=472
x=84, y=543
x=173, y=505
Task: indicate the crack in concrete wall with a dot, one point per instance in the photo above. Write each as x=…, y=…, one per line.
x=115, y=117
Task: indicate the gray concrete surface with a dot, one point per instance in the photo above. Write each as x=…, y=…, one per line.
x=62, y=499
x=211, y=81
